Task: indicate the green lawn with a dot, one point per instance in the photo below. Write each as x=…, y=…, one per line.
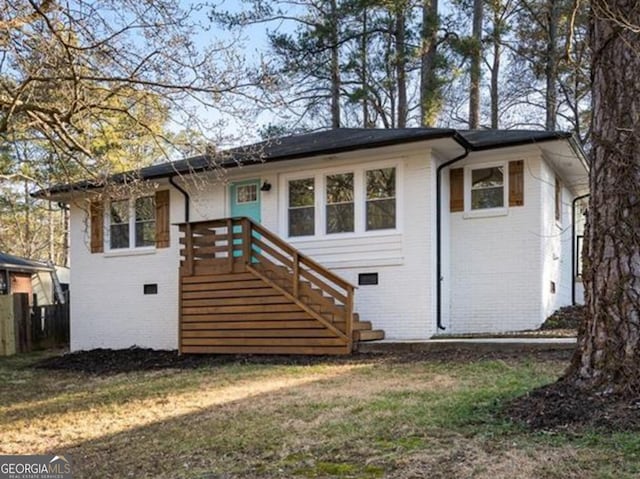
x=369, y=419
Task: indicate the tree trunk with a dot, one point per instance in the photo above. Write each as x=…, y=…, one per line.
x=495, y=68
x=430, y=101
x=476, y=59
x=608, y=355
x=495, y=85
x=551, y=67
x=401, y=65
x=335, y=66
x=364, y=45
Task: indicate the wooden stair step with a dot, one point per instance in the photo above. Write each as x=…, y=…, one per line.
x=369, y=335
x=357, y=325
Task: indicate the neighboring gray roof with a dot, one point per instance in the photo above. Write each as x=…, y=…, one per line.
x=322, y=143
x=24, y=265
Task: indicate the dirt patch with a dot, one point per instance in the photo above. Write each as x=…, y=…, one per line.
x=467, y=459
x=562, y=405
x=116, y=361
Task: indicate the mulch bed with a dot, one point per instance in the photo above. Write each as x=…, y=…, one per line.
x=566, y=318
x=110, y=361
x=563, y=406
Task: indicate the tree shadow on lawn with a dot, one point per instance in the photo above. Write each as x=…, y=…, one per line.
x=356, y=422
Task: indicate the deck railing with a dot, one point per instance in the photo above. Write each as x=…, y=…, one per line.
x=233, y=245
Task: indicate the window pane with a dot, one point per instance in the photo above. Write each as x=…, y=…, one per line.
x=145, y=233
x=119, y=237
x=119, y=212
x=381, y=183
x=381, y=214
x=246, y=194
x=487, y=177
x=340, y=188
x=145, y=209
x=301, y=192
x=301, y=221
x=340, y=218
x=487, y=198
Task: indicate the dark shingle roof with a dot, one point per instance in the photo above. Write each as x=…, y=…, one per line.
x=322, y=143
x=16, y=263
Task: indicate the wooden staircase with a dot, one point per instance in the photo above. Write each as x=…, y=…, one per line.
x=245, y=290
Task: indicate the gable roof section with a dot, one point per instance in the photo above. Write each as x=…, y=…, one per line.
x=308, y=145
x=23, y=265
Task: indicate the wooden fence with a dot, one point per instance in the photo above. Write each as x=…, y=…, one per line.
x=40, y=327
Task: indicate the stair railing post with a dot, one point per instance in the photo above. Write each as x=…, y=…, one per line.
x=246, y=240
x=296, y=273
x=229, y=245
x=348, y=311
x=189, y=249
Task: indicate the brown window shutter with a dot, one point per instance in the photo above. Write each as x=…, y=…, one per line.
x=162, y=219
x=96, y=212
x=456, y=188
x=516, y=183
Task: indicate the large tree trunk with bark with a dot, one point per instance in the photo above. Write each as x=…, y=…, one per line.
x=608, y=355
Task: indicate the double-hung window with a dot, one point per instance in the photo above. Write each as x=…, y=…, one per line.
x=381, y=199
x=301, y=210
x=487, y=188
x=132, y=223
x=339, y=204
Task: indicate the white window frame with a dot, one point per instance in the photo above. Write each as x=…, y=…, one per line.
x=499, y=211
x=132, y=228
x=359, y=199
x=285, y=222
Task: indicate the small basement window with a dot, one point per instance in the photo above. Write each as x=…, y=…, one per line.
x=367, y=279
x=151, y=288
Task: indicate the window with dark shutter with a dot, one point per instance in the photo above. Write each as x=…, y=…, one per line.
x=96, y=213
x=516, y=183
x=162, y=219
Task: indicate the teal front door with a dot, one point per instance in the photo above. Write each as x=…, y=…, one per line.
x=245, y=201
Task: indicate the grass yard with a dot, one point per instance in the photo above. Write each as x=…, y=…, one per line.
x=369, y=417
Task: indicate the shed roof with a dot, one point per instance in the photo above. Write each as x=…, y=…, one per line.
x=24, y=265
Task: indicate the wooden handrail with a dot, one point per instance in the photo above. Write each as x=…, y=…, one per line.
x=303, y=258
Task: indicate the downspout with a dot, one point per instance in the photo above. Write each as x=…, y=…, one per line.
x=573, y=246
x=467, y=149
x=187, y=200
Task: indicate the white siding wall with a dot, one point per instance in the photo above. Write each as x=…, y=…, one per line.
x=493, y=280
x=498, y=270
x=556, y=245
x=108, y=307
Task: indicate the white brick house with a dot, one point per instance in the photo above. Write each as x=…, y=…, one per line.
x=362, y=203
